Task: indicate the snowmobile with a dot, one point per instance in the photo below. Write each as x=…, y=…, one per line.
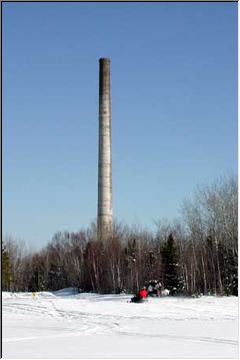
x=141, y=296
x=137, y=299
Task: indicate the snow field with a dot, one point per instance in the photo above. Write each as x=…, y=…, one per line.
x=69, y=325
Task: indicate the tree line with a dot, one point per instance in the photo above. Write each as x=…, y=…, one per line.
x=196, y=254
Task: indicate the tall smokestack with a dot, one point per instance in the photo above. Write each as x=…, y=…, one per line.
x=105, y=152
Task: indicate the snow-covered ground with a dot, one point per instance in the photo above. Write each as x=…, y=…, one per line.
x=68, y=325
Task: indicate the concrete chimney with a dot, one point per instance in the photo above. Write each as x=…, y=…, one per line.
x=105, y=152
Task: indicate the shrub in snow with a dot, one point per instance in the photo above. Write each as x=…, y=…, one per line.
x=165, y=292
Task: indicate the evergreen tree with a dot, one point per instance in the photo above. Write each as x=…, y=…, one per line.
x=229, y=269
x=173, y=281
x=231, y=266
x=6, y=271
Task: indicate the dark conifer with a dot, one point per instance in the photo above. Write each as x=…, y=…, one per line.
x=6, y=271
x=173, y=281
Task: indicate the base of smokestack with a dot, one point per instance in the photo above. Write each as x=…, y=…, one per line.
x=104, y=228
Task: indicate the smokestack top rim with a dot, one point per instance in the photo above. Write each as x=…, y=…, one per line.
x=105, y=60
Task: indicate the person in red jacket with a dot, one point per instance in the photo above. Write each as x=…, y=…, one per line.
x=143, y=293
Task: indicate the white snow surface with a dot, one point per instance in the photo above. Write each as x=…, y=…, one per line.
x=65, y=324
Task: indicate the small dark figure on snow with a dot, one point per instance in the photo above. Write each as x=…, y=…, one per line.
x=141, y=296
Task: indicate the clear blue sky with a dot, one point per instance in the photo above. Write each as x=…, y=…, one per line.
x=174, y=109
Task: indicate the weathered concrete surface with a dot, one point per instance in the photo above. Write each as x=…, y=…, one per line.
x=105, y=152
